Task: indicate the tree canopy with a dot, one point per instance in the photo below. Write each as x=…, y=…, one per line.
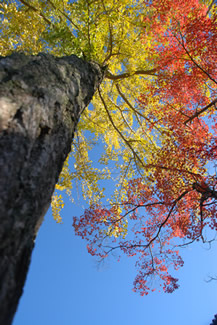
x=154, y=113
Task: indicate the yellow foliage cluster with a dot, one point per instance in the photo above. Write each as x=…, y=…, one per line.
x=118, y=228
x=56, y=205
x=109, y=32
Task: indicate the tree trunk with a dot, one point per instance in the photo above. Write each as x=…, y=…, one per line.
x=41, y=100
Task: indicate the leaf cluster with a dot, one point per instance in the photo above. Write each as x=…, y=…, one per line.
x=149, y=116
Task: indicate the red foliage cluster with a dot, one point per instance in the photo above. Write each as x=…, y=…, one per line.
x=184, y=37
x=178, y=199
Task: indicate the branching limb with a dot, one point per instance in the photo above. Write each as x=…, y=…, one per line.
x=63, y=13
x=210, y=7
x=136, y=207
x=27, y=4
x=201, y=111
x=119, y=132
x=131, y=106
x=145, y=246
x=110, y=45
x=168, y=216
x=192, y=59
x=151, y=72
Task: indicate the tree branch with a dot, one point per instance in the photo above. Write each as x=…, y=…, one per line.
x=192, y=59
x=201, y=111
x=36, y=10
x=63, y=13
x=121, y=135
x=159, y=228
x=210, y=7
x=125, y=75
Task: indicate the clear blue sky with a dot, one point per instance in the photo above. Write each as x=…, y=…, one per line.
x=66, y=286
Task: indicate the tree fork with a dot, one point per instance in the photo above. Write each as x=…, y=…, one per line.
x=41, y=100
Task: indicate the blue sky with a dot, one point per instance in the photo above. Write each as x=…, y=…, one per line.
x=65, y=285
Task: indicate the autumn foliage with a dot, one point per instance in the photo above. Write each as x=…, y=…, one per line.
x=154, y=113
x=174, y=203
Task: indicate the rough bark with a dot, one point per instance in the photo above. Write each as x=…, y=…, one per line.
x=41, y=100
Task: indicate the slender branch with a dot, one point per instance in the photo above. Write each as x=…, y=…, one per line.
x=152, y=259
x=63, y=13
x=159, y=228
x=125, y=121
x=135, y=208
x=167, y=218
x=88, y=25
x=125, y=75
x=134, y=152
x=175, y=109
x=211, y=278
x=201, y=219
x=129, y=104
x=37, y=11
x=92, y=121
x=123, y=246
x=210, y=7
x=133, y=108
x=173, y=169
x=123, y=117
x=188, y=243
x=123, y=177
x=201, y=111
x=192, y=59
x=194, y=239
x=121, y=135
x=110, y=46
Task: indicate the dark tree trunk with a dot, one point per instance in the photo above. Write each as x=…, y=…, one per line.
x=41, y=100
